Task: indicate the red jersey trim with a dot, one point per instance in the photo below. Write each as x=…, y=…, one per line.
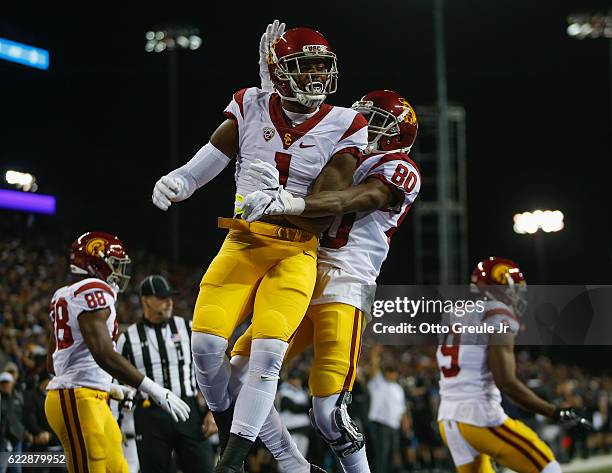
x=358, y=123
x=351, y=150
x=239, y=98
x=397, y=192
x=397, y=157
x=94, y=285
x=500, y=311
x=229, y=115
x=290, y=134
x=392, y=230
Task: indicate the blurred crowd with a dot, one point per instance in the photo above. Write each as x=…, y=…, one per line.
x=33, y=267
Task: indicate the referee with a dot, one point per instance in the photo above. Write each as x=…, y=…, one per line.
x=159, y=345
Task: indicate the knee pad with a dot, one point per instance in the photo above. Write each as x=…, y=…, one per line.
x=208, y=351
x=212, y=369
x=267, y=356
x=329, y=417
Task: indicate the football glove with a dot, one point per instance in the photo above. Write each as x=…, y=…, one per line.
x=167, y=190
x=165, y=399
x=264, y=176
x=567, y=417
x=273, y=31
x=281, y=202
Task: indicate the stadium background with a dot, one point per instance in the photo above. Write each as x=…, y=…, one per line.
x=93, y=130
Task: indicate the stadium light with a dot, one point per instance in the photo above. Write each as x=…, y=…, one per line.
x=173, y=38
x=548, y=221
x=23, y=180
x=589, y=25
x=24, y=54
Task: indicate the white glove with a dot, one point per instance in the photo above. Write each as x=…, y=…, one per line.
x=263, y=175
x=273, y=31
x=119, y=392
x=260, y=203
x=167, y=190
x=165, y=399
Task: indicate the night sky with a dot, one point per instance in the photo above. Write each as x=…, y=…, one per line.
x=94, y=128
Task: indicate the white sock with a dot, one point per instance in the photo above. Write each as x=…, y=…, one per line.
x=323, y=408
x=256, y=397
x=212, y=369
x=552, y=467
x=273, y=434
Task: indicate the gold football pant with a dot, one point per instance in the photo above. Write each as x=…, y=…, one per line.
x=85, y=426
x=511, y=444
x=335, y=330
x=264, y=269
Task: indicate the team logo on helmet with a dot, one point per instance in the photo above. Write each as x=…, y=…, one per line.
x=96, y=246
x=499, y=272
x=408, y=114
x=268, y=133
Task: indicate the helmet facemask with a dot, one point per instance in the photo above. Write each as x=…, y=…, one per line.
x=290, y=68
x=380, y=123
x=118, y=276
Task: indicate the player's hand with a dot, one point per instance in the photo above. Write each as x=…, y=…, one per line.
x=273, y=31
x=260, y=203
x=119, y=392
x=167, y=190
x=166, y=399
x=209, y=426
x=568, y=417
x=263, y=175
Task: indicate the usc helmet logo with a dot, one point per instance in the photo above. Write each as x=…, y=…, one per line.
x=499, y=273
x=96, y=246
x=409, y=115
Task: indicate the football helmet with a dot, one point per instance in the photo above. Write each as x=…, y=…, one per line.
x=100, y=255
x=288, y=62
x=501, y=279
x=392, y=122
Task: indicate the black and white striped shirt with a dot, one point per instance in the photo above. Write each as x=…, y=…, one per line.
x=162, y=352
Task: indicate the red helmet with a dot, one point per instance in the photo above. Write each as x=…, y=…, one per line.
x=100, y=255
x=391, y=119
x=501, y=279
x=289, y=54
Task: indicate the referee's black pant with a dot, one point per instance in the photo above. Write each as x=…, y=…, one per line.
x=157, y=435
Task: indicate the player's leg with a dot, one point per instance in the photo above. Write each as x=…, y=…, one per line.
x=280, y=304
x=116, y=461
x=465, y=457
x=226, y=297
x=337, y=346
x=273, y=433
x=54, y=411
x=513, y=445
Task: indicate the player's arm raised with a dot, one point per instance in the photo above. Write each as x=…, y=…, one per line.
x=95, y=333
x=502, y=364
x=207, y=163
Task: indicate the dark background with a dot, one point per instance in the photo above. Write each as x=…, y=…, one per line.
x=93, y=128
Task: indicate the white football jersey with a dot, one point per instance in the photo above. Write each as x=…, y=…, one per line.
x=73, y=363
x=354, y=248
x=298, y=152
x=467, y=390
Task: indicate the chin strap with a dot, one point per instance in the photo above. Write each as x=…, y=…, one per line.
x=351, y=439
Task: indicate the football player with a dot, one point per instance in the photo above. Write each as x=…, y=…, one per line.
x=385, y=184
x=83, y=358
x=476, y=368
x=266, y=267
